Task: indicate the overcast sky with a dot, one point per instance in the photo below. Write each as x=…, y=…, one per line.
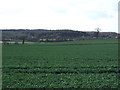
x=82, y=15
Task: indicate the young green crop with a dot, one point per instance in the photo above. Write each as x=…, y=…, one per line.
x=60, y=66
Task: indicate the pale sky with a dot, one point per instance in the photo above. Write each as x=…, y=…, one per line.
x=81, y=15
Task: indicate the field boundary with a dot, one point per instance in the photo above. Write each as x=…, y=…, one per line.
x=63, y=44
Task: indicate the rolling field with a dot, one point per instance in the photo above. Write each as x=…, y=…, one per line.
x=61, y=66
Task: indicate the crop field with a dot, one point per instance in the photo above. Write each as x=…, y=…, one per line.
x=61, y=66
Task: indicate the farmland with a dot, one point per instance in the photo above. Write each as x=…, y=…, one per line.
x=77, y=64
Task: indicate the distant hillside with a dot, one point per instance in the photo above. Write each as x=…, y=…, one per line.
x=52, y=35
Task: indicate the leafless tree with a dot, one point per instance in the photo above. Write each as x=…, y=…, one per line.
x=97, y=31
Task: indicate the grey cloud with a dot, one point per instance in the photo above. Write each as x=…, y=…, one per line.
x=12, y=11
x=99, y=14
x=61, y=11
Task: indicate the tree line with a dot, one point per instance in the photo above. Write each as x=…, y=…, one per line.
x=43, y=35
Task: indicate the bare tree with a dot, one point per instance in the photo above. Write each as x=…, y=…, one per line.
x=23, y=37
x=97, y=31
